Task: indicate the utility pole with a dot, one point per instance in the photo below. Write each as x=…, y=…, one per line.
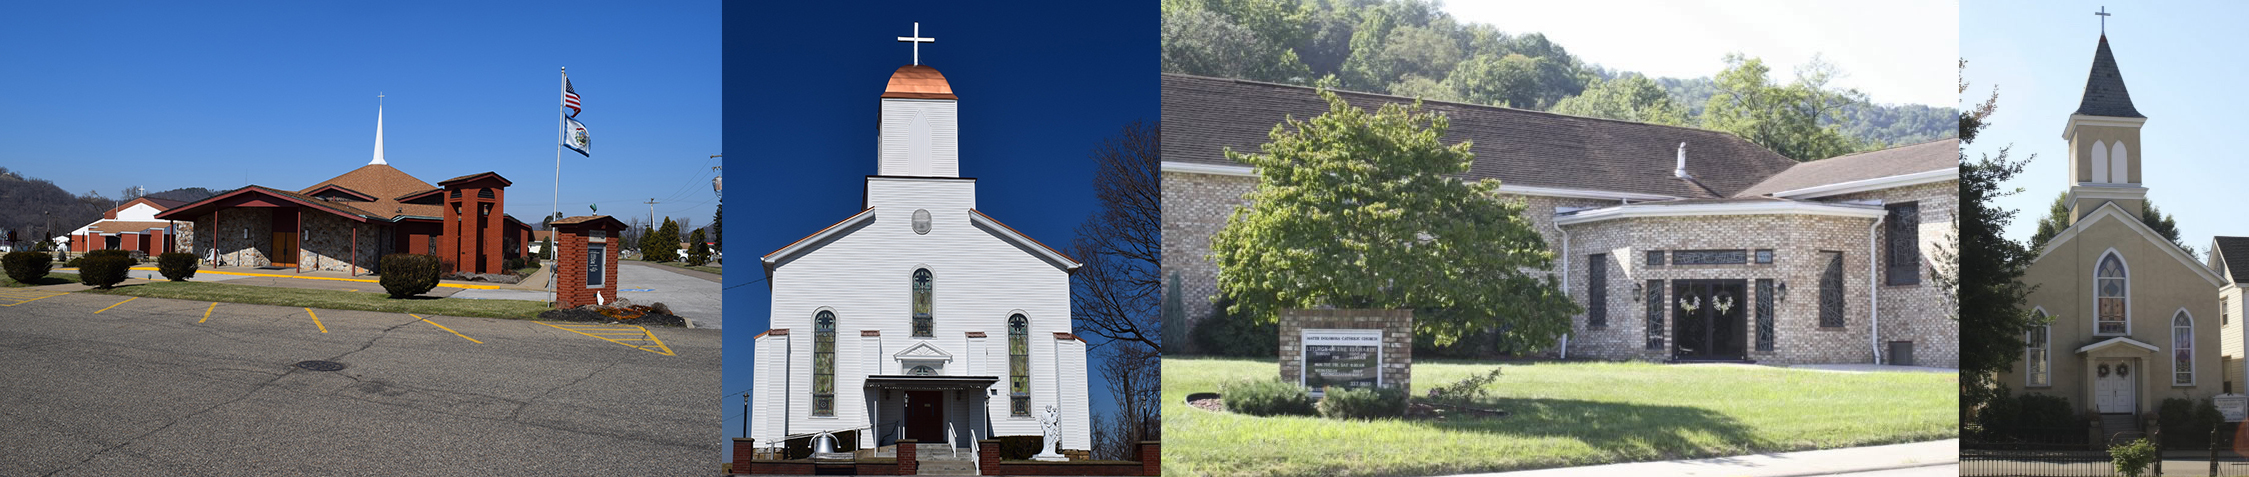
x=651, y=212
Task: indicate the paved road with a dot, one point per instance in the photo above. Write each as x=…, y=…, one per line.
x=97, y=385
x=690, y=294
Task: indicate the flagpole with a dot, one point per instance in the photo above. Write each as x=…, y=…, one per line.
x=556, y=207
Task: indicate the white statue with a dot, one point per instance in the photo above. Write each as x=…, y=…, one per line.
x=1051, y=423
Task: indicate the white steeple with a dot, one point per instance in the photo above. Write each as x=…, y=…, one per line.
x=378, y=132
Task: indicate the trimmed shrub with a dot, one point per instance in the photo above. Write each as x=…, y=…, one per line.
x=125, y=254
x=74, y=262
x=1021, y=447
x=1270, y=397
x=1226, y=333
x=27, y=267
x=104, y=271
x=2187, y=423
x=2132, y=459
x=1363, y=403
x=409, y=274
x=176, y=266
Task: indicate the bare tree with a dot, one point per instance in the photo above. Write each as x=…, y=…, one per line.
x=1136, y=380
x=1119, y=288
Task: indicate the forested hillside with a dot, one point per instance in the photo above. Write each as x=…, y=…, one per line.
x=27, y=204
x=1412, y=48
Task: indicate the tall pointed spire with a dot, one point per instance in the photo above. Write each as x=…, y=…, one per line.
x=2104, y=88
x=378, y=132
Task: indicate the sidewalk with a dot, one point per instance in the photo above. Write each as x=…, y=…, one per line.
x=323, y=280
x=1819, y=462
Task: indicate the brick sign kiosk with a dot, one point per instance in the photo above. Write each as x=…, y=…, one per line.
x=1347, y=348
x=585, y=261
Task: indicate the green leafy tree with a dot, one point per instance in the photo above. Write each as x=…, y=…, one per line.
x=1204, y=43
x=2057, y=220
x=1630, y=98
x=1366, y=210
x=1510, y=81
x=1423, y=88
x=1987, y=266
x=1785, y=118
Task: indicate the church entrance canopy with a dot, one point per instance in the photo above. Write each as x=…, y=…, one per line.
x=930, y=383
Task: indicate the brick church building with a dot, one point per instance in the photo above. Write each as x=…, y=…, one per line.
x=1681, y=244
x=347, y=223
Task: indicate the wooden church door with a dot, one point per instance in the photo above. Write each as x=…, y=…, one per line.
x=925, y=416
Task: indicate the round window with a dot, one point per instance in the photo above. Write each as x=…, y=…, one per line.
x=921, y=221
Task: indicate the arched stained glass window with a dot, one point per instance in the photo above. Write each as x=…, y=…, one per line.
x=2182, y=349
x=923, y=326
x=2111, y=287
x=824, y=364
x=1019, y=365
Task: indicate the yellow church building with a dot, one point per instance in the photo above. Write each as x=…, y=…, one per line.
x=2134, y=319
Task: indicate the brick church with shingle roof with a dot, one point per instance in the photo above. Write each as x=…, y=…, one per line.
x=1682, y=244
x=346, y=223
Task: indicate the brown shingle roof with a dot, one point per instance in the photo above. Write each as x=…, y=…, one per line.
x=385, y=183
x=1896, y=161
x=1204, y=116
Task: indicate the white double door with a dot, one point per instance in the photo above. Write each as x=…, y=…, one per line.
x=2113, y=390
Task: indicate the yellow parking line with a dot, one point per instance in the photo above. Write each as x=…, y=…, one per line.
x=442, y=327
x=659, y=348
x=114, y=306
x=316, y=320
x=207, y=312
x=43, y=297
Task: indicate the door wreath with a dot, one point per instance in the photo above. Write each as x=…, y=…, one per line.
x=2103, y=370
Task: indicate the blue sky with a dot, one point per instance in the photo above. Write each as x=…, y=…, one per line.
x=102, y=96
x=1040, y=87
x=1890, y=50
x=2178, y=61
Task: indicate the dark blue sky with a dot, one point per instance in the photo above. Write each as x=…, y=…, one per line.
x=1040, y=86
x=168, y=95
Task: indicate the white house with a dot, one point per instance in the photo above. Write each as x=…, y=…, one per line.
x=919, y=315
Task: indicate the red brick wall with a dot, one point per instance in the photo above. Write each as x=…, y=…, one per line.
x=907, y=462
x=570, y=268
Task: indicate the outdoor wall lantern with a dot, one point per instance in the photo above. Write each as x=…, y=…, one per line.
x=1784, y=290
x=1637, y=291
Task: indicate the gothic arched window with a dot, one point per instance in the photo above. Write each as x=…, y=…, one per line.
x=1019, y=365
x=2182, y=349
x=2111, y=292
x=824, y=364
x=922, y=303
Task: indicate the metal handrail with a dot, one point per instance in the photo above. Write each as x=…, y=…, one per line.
x=976, y=451
x=950, y=446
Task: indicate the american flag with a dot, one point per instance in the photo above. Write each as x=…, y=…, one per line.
x=569, y=97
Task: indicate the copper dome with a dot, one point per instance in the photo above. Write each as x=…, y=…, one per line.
x=918, y=82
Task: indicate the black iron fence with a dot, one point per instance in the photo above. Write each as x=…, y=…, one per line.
x=2072, y=453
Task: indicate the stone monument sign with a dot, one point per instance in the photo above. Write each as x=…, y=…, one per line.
x=1322, y=349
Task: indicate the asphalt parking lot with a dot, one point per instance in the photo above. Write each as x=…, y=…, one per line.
x=111, y=385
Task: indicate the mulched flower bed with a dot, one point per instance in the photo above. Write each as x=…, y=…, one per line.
x=627, y=314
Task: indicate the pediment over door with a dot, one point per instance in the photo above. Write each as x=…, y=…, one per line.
x=923, y=352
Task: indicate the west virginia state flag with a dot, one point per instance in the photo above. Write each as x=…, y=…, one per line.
x=576, y=138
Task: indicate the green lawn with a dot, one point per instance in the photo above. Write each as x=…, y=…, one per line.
x=329, y=299
x=52, y=278
x=1564, y=414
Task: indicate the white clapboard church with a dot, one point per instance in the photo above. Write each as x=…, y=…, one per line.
x=919, y=317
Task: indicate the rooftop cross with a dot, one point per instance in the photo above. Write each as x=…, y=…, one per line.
x=2103, y=13
x=917, y=40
